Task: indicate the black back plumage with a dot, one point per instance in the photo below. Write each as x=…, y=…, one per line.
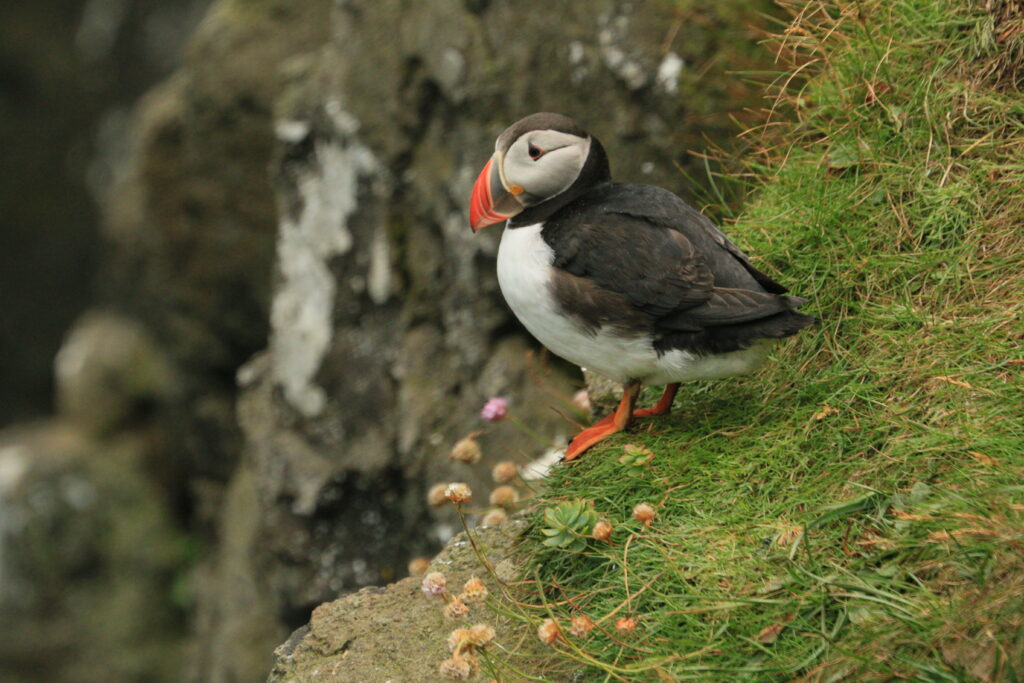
x=638, y=258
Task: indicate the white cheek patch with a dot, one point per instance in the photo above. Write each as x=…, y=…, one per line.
x=554, y=171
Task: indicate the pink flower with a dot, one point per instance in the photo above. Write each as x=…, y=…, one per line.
x=434, y=583
x=495, y=409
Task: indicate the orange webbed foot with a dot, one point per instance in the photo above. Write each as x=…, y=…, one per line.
x=664, y=405
x=607, y=426
x=590, y=436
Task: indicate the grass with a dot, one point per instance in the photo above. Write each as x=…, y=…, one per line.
x=855, y=511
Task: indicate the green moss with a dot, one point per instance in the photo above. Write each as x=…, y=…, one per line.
x=855, y=509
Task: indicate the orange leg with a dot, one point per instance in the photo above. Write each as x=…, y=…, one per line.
x=664, y=404
x=602, y=429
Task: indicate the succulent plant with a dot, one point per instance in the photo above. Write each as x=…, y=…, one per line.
x=569, y=524
x=636, y=456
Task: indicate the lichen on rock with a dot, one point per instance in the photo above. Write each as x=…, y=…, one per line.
x=301, y=317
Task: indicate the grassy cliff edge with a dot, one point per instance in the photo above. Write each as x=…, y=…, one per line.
x=855, y=510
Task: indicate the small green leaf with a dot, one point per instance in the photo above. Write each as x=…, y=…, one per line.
x=919, y=491
x=859, y=615
x=888, y=571
x=842, y=156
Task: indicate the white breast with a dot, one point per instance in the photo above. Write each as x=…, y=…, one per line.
x=524, y=275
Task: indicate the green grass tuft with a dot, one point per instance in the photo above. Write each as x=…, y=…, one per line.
x=855, y=511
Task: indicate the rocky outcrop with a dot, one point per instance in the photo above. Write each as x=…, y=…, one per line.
x=396, y=632
x=191, y=224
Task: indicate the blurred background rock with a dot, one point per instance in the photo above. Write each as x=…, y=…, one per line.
x=243, y=318
x=70, y=71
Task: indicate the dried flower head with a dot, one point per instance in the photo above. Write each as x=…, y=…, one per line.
x=643, y=513
x=603, y=531
x=437, y=496
x=581, y=401
x=458, y=639
x=625, y=625
x=456, y=609
x=493, y=517
x=548, y=631
x=434, y=583
x=474, y=591
x=456, y=669
x=418, y=566
x=495, y=409
x=504, y=472
x=480, y=635
x=466, y=450
x=458, y=492
x=504, y=496
x=581, y=626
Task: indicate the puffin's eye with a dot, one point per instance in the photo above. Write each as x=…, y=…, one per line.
x=534, y=151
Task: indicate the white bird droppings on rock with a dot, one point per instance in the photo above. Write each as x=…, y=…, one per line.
x=668, y=73
x=629, y=71
x=451, y=73
x=14, y=461
x=575, y=52
x=378, y=279
x=291, y=131
x=344, y=122
x=301, y=315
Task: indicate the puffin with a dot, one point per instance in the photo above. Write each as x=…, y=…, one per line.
x=625, y=280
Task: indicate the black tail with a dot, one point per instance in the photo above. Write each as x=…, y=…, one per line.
x=740, y=336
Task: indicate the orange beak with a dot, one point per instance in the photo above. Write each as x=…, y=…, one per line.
x=491, y=203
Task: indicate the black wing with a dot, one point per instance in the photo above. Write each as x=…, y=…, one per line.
x=638, y=256
x=662, y=208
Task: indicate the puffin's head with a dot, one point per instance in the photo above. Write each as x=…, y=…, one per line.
x=535, y=159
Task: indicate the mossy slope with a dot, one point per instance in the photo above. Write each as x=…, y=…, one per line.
x=855, y=510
